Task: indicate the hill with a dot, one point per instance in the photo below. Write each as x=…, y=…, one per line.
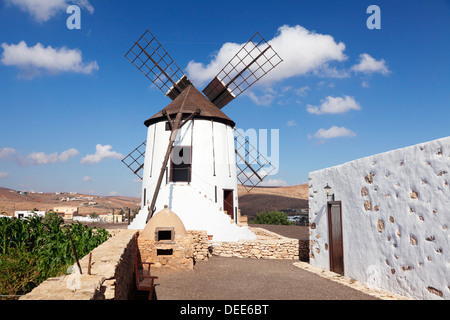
x=12, y=200
x=261, y=199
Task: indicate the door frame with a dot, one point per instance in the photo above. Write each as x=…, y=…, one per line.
x=330, y=236
x=231, y=214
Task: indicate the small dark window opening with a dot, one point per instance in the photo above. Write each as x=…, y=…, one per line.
x=164, y=252
x=164, y=235
x=181, y=164
x=168, y=126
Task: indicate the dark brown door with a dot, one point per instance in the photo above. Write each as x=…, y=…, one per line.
x=228, y=202
x=335, y=236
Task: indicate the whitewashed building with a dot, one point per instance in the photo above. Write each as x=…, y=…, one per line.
x=386, y=219
x=200, y=182
x=28, y=214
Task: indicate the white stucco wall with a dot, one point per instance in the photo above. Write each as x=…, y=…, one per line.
x=213, y=165
x=395, y=219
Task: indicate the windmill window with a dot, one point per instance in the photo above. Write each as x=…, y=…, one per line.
x=181, y=164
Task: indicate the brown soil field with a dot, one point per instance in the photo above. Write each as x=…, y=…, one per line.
x=257, y=200
x=262, y=199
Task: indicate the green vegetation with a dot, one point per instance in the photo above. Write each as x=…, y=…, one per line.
x=35, y=249
x=272, y=217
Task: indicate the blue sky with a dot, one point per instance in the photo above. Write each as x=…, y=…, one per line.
x=72, y=105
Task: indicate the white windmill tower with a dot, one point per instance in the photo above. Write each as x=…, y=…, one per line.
x=188, y=162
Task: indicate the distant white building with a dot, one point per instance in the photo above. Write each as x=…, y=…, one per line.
x=28, y=214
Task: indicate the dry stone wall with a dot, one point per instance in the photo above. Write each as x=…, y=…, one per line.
x=395, y=218
x=268, y=245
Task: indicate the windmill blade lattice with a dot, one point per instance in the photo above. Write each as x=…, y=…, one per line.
x=254, y=60
x=150, y=57
x=135, y=160
x=252, y=167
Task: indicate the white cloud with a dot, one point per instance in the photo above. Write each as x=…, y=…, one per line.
x=101, y=152
x=369, y=65
x=32, y=60
x=334, y=105
x=333, y=132
x=302, y=51
x=291, y=123
x=273, y=183
x=44, y=10
x=265, y=99
x=39, y=158
x=66, y=155
x=4, y=175
x=301, y=92
x=6, y=152
x=87, y=179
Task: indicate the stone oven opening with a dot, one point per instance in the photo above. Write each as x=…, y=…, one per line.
x=165, y=241
x=165, y=234
x=164, y=252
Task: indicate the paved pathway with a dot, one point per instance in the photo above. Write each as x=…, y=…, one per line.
x=223, y=278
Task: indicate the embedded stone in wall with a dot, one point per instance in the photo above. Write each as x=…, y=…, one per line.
x=380, y=225
x=435, y=291
x=369, y=178
x=367, y=205
x=364, y=192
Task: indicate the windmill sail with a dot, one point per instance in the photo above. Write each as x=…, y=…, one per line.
x=252, y=167
x=135, y=160
x=149, y=56
x=254, y=60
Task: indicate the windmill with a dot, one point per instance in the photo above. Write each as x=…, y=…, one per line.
x=199, y=158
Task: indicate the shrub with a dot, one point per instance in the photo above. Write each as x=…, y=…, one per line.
x=272, y=217
x=35, y=249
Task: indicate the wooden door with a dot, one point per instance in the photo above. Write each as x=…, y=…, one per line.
x=335, y=237
x=228, y=202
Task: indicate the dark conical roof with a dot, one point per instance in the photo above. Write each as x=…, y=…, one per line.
x=189, y=100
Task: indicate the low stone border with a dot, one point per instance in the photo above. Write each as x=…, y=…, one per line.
x=268, y=245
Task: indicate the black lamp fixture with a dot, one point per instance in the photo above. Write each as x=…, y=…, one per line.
x=328, y=192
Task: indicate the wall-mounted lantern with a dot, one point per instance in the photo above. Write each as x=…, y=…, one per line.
x=328, y=192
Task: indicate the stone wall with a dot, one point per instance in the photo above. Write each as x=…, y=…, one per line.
x=395, y=219
x=200, y=245
x=268, y=245
x=176, y=254
x=112, y=274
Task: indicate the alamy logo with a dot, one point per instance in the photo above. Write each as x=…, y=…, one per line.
x=74, y=21
x=374, y=21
